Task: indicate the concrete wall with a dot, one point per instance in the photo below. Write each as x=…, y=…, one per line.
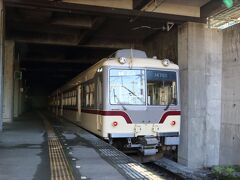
x=1, y=63
x=230, y=124
x=125, y=4
x=163, y=45
x=169, y=7
x=200, y=61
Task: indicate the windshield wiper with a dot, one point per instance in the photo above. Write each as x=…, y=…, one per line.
x=118, y=101
x=170, y=102
x=133, y=94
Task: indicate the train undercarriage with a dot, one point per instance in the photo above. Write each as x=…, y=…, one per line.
x=147, y=148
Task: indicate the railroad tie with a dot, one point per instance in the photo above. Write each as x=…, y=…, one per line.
x=59, y=165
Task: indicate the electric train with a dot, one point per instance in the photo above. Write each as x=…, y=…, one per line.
x=128, y=99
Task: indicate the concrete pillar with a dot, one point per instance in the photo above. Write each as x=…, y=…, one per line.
x=8, y=81
x=200, y=61
x=163, y=45
x=1, y=62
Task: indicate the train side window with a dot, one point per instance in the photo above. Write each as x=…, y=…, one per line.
x=91, y=94
x=87, y=95
x=69, y=99
x=75, y=101
x=63, y=99
x=83, y=96
x=66, y=99
x=74, y=98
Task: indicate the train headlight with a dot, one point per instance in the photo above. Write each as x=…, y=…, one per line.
x=115, y=123
x=173, y=123
x=100, y=69
x=122, y=60
x=165, y=62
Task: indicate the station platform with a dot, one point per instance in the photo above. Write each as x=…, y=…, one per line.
x=35, y=146
x=24, y=149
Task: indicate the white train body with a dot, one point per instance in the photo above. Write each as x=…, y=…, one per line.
x=128, y=97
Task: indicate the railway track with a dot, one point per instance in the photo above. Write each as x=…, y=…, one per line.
x=163, y=172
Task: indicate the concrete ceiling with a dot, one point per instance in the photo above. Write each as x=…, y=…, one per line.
x=197, y=3
x=57, y=38
x=86, y=23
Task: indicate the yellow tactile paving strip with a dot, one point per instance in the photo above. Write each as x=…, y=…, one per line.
x=60, y=168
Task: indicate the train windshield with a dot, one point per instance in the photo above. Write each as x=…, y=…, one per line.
x=127, y=86
x=161, y=88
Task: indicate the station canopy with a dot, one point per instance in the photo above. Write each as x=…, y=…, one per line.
x=226, y=17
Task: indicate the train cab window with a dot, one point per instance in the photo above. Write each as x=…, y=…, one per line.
x=161, y=87
x=127, y=86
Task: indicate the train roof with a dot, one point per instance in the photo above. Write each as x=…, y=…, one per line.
x=129, y=53
x=141, y=61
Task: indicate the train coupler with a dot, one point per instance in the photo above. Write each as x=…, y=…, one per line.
x=148, y=140
x=147, y=151
x=147, y=145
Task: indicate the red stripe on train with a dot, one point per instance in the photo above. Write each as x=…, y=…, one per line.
x=125, y=115
x=109, y=113
x=169, y=113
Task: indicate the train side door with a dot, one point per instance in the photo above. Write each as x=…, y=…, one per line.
x=79, y=102
x=99, y=102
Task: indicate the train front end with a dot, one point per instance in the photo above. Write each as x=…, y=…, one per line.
x=142, y=105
